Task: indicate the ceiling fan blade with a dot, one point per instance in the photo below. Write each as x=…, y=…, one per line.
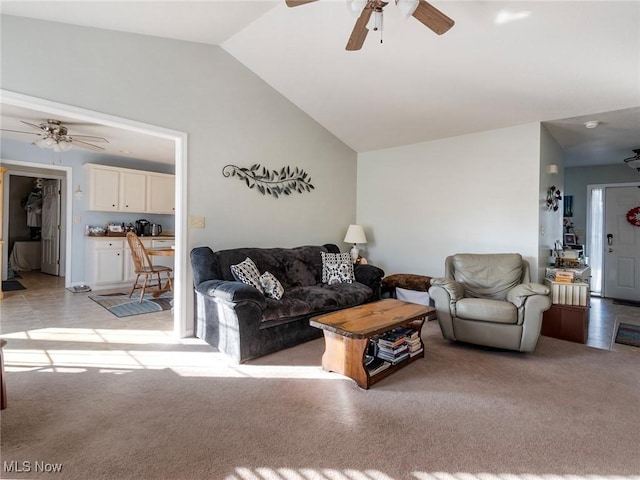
x=297, y=3
x=88, y=146
x=360, y=30
x=37, y=127
x=89, y=138
x=18, y=131
x=432, y=17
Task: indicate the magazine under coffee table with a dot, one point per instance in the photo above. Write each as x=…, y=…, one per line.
x=347, y=333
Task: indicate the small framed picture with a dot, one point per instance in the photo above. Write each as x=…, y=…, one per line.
x=115, y=228
x=570, y=239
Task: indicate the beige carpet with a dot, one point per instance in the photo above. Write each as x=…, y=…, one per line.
x=462, y=413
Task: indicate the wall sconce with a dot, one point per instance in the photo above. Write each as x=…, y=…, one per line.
x=78, y=193
x=552, y=169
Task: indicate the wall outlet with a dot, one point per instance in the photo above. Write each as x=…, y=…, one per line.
x=196, y=222
x=77, y=219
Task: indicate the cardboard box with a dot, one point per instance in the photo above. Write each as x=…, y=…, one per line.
x=564, y=276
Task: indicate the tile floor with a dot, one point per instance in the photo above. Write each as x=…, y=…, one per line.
x=47, y=304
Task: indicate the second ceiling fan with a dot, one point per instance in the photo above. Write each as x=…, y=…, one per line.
x=422, y=11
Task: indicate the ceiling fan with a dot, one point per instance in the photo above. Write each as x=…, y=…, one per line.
x=54, y=135
x=419, y=9
x=634, y=162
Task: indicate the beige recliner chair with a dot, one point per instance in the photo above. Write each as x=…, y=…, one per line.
x=488, y=299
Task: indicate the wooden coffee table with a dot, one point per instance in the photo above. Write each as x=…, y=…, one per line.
x=347, y=333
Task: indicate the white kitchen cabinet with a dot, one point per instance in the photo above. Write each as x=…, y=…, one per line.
x=109, y=262
x=114, y=189
x=104, y=189
x=161, y=192
x=105, y=260
x=133, y=187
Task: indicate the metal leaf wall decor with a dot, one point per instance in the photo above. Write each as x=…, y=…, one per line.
x=271, y=182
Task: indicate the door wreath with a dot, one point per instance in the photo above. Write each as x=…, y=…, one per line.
x=633, y=216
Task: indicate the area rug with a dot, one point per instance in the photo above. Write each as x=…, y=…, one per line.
x=628, y=334
x=626, y=303
x=122, y=306
x=12, y=286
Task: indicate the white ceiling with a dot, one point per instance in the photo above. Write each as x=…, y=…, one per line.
x=559, y=62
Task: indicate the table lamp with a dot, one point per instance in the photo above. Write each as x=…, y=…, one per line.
x=355, y=234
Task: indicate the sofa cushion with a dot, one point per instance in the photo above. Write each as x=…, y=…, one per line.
x=317, y=299
x=337, y=268
x=247, y=272
x=271, y=286
x=486, y=310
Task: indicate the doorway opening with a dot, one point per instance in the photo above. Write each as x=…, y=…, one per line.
x=182, y=328
x=33, y=220
x=613, y=244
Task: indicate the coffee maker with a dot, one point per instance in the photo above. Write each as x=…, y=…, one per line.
x=143, y=228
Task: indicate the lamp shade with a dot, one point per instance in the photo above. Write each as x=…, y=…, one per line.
x=355, y=234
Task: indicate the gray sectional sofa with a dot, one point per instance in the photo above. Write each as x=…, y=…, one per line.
x=243, y=323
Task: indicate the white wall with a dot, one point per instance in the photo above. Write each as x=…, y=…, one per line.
x=477, y=193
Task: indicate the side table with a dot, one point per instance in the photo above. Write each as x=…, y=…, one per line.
x=566, y=322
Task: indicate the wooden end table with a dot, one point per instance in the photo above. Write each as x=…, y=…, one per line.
x=347, y=333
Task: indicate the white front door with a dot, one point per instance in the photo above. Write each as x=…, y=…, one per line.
x=621, y=244
x=50, y=235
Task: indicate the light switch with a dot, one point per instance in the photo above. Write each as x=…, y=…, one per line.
x=77, y=219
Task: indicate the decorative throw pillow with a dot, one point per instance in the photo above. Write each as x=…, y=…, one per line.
x=337, y=268
x=247, y=272
x=271, y=286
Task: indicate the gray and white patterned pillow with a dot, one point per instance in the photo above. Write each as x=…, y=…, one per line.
x=247, y=272
x=271, y=286
x=337, y=268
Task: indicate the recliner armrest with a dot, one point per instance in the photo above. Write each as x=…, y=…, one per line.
x=519, y=294
x=455, y=289
x=232, y=292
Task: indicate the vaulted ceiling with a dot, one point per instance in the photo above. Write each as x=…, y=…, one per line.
x=502, y=64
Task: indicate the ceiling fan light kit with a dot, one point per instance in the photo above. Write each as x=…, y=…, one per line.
x=55, y=136
x=59, y=145
x=371, y=17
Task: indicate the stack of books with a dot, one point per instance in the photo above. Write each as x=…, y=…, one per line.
x=377, y=365
x=413, y=342
x=392, y=346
